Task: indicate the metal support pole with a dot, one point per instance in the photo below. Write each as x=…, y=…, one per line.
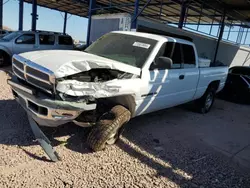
x=246, y=36
x=20, y=24
x=133, y=24
x=220, y=35
x=136, y=16
x=183, y=14
x=34, y=15
x=229, y=31
x=92, y=4
x=1, y=14
x=65, y=22
x=239, y=37
x=199, y=21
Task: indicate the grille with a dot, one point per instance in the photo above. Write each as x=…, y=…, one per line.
x=34, y=74
x=37, y=73
x=18, y=72
x=18, y=64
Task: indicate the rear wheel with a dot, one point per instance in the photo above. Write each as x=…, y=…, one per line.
x=205, y=103
x=109, y=127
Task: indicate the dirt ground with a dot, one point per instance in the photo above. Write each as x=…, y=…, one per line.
x=170, y=148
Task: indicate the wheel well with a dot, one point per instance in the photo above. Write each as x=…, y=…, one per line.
x=5, y=53
x=128, y=101
x=214, y=84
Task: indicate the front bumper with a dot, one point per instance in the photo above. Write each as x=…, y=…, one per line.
x=45, y=110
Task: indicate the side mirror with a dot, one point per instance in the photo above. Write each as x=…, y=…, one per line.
x=162, y=63
x=19, y=41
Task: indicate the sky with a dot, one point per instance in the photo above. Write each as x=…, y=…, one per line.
x=48, y=19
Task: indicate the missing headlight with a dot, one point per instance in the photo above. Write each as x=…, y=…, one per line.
x=69, y=98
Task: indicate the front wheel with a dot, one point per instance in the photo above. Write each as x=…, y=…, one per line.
x=108, y=129
x=205, y=103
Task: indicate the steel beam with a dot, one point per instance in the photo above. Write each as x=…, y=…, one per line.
x=34, y=15
x=20, y=23
x=133, y=23
x=122, y=5
x=245, y=37
x=183, y=14
x=1, y=14
x=65, y=22
x=220, y=35
x=92, y=4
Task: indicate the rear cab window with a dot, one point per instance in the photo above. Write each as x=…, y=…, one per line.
x=65, y=40
x=46, y=39
x=188, y=56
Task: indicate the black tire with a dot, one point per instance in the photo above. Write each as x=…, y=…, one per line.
x=205, y=103
x=4, y=59
x=108, y=128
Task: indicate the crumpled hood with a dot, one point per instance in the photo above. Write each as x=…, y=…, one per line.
x=68, y=62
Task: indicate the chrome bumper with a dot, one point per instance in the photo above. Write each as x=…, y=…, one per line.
x=46, y=111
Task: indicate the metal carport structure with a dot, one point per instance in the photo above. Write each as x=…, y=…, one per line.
x=181, y=13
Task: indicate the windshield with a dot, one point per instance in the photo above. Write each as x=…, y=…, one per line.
x=128, y=49
x=10, y=36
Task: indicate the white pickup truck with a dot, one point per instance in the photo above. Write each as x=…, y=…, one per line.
x=120, y=76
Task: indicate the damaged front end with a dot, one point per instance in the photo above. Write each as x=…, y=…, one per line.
x=72, y=92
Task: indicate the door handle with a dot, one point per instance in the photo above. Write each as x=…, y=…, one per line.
x=181, y=77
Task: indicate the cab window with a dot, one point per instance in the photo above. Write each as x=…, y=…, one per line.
x=173, y=51
x=177, y=56
x=45, y=39
x=26, y=39
x=65, y=40
x=188, y=55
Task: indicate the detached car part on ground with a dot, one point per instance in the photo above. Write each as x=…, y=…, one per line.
x=120, y=76
x=237, y=87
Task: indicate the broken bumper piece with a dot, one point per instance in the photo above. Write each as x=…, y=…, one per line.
x=44, y=110
x=43, y=141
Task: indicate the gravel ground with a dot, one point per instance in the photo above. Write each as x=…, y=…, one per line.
x=149, y=154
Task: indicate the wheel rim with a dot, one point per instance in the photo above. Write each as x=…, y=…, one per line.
x=209, y=101
x=112, y=139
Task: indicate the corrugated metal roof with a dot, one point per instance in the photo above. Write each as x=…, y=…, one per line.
x=164, y=10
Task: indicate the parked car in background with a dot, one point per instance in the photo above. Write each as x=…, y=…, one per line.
x=237, y=88
x=4, y=33
x=25, y=41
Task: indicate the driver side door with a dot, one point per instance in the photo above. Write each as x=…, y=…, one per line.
x=165, y=85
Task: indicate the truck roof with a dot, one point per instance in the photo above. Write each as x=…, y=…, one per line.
x=154, y=36
x=41, y=32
